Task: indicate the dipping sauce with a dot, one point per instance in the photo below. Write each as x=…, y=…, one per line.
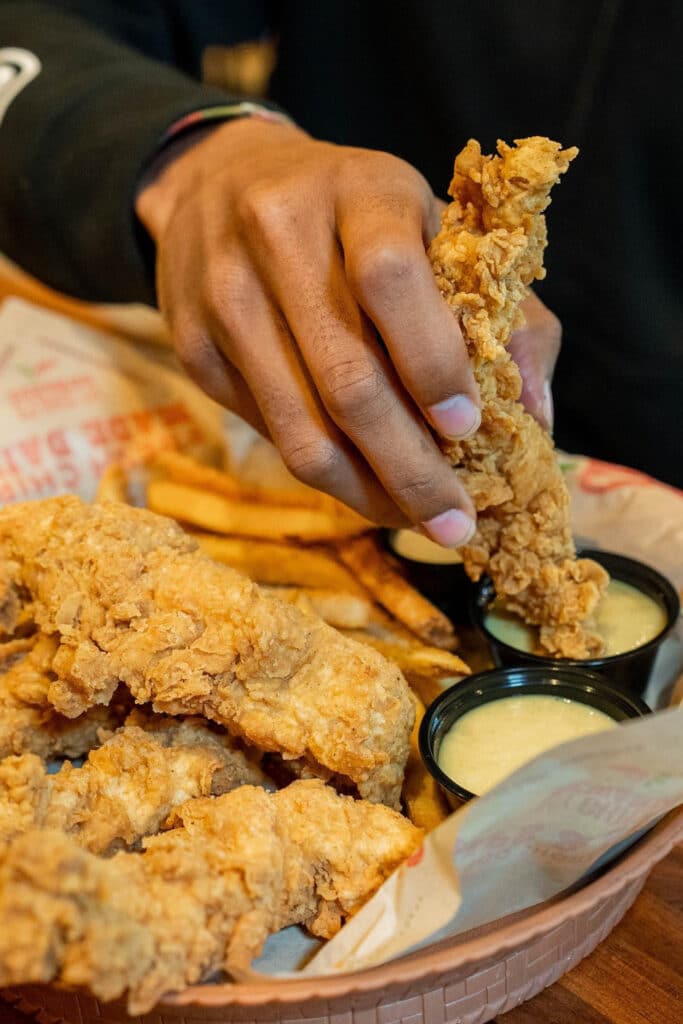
x=417, y=548
x=490, y=742
x=626, y=618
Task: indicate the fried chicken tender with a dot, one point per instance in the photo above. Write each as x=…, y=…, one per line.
x=128, y=787
x=201, y=898
x=489, y=250
x=23, y=794
x=28, y=722
x=127, y=596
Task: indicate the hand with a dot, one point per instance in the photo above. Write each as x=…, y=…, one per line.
x=535, y=348
x=281, y=261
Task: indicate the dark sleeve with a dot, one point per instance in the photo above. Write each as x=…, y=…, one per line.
x=74, y=139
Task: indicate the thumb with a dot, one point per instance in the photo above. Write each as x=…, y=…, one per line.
x=535, y=348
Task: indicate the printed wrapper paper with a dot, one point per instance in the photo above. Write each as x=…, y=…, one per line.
x=622, y=510
x=73, y=399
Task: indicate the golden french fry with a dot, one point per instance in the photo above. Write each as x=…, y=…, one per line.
x=244, y=518
x=410, y=654
x=418, y=659
x=273, y=563
x=113, y=484
x=183, y=470
x=428, y=688
x=425, y=804
x=374, y=569
x=339, y=609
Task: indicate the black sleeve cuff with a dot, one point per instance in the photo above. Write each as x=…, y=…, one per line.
x=72, y=146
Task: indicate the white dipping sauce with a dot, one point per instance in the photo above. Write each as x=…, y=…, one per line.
x=626, y=618
x=417, y=548
x=490, y=742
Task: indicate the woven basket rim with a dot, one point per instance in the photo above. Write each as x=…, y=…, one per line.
x=632, y=865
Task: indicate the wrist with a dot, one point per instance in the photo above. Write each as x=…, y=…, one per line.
x=161, y=183
x=165, y=177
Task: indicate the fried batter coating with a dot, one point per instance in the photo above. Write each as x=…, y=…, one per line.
x=127, y=596
x=23, y=794
x=237, y=766
x=28, y=722
x=128, y=787
x=202, y=897
x=489, y=250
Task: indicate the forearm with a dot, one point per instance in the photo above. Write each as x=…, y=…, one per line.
x=72, y=146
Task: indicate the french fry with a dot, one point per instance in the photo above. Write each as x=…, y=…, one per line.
x=181, y=469
x=429, y=662
x=113, y=484
x=244, y=518
x=424, y=802
x=372, y=566
x=280, y=564
x=428, y=688
x=339, y=609
x=428, y=669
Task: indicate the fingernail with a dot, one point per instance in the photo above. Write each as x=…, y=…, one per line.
x=456, y=418
x=548, y=409
x=451, y=529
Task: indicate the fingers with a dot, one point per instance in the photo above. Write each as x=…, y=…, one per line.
x=254, y=336
x=390, y=276
x=208, y=368
x=344, y=379
x=535, y=348
x=361, y=392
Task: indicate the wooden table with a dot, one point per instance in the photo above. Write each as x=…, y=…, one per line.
x=634, y=977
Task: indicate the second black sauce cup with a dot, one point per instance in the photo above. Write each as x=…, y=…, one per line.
x=629, y=671
x=446, y=585
x=557, y=681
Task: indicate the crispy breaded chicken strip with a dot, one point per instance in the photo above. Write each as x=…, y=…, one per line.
x=489, y=250
x=237, y=767
x=127, y=788
x=128, y=597
x=202, y=897
x=28, y=722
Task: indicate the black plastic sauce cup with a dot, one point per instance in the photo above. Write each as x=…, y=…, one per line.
x=446, y=585
x=556, y=681
x=629, y=671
